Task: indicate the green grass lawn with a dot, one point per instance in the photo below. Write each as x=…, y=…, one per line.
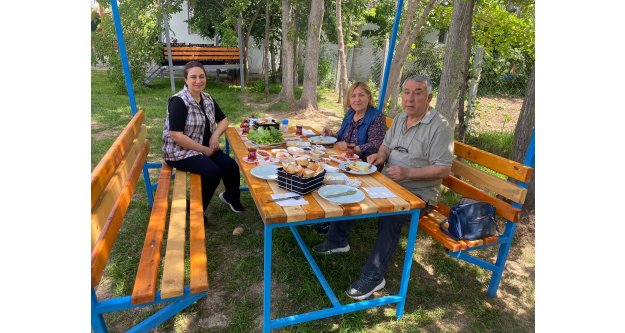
x=444, y=295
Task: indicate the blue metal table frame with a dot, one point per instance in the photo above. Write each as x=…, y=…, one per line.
x=337, y=308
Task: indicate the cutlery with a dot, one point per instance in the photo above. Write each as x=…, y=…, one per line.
x=287, y=198
x=342, y=194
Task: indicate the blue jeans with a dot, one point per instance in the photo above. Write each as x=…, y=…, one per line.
x=389, y=229
x=212, y=170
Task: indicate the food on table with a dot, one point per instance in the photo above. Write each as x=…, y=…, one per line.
x=308, y=171
x=265, y=135
x=338, y=158
x=360, y=167
x=303, y=161
x=263, y=153
x=295, y=150
x=282, y=155
x=278, y=150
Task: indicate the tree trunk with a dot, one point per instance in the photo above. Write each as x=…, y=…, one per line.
x=473, y=84
x=454, y=69
x=522, y=136
x=465, y=85
x=356, y=56
x=246, y=39
x=272, y=57
x=342, y=60
x=407, y=36
x=286, y=93
x=266, y=50
x=309, y=92
x=298, y=62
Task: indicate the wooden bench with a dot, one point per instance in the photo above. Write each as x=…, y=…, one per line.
x=211, y=55
x=113, y=182
x=470, y=179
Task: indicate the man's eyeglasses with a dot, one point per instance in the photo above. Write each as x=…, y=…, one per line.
x=401, y=149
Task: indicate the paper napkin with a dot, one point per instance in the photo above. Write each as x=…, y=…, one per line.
x=379, y=192
x=290, y=202
x=307, y=132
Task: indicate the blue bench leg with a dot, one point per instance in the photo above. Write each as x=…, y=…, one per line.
x=97, y=320
x=502, y=257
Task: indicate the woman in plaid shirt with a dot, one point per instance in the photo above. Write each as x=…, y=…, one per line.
x=191, y=134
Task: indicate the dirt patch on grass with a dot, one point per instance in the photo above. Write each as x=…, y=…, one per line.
x=497, y=114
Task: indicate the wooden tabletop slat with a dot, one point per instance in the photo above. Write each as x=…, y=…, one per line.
x=145, y=281
x=293, y=213
x=172, y=282
x=331, y=210
x=197, y=241
x=385, y=205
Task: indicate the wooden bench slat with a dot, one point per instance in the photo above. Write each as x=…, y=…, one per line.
x=172, y=282
x=200, y=48
x=202, y=57
x=106, y=239
x=100, y=212
x=430, y=224
x=502, y=165
x=197, y=242
x=203, y=52
x=147, y=272
x=108, y=164
x=503, y=208
x=488, y=181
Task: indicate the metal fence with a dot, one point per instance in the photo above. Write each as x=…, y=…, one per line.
x=499, y=77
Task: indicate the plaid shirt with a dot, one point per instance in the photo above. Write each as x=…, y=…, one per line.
x=194, y=126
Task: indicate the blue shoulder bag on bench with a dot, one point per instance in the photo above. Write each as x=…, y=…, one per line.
x=470, y=221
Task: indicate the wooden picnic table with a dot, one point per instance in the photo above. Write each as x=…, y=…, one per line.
x=319, y=210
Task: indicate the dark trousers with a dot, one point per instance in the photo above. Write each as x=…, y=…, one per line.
x=389, y=229
x=212, y=169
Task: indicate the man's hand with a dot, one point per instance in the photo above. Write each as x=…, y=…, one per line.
x=375, y=159
x=397, y=173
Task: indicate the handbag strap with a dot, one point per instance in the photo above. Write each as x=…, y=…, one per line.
x=440, y=225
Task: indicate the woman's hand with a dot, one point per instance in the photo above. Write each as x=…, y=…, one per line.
x=208, y=151
x=342, y=145
x=214, y=142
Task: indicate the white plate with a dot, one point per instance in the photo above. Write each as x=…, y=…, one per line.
x=353, y=158
x=268, y=171
x=334, y=157
x=298, y=144
x=322, y=140
x=326, y=190
x=343, y=166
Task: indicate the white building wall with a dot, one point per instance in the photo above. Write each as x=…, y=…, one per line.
x=180, y=29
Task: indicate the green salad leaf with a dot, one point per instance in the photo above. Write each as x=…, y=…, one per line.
x=266, y=136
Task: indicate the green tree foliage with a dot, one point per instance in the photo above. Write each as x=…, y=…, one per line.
x=506, y=30
x=141, y=26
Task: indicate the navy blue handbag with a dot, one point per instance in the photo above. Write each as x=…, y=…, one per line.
x=470, y=221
